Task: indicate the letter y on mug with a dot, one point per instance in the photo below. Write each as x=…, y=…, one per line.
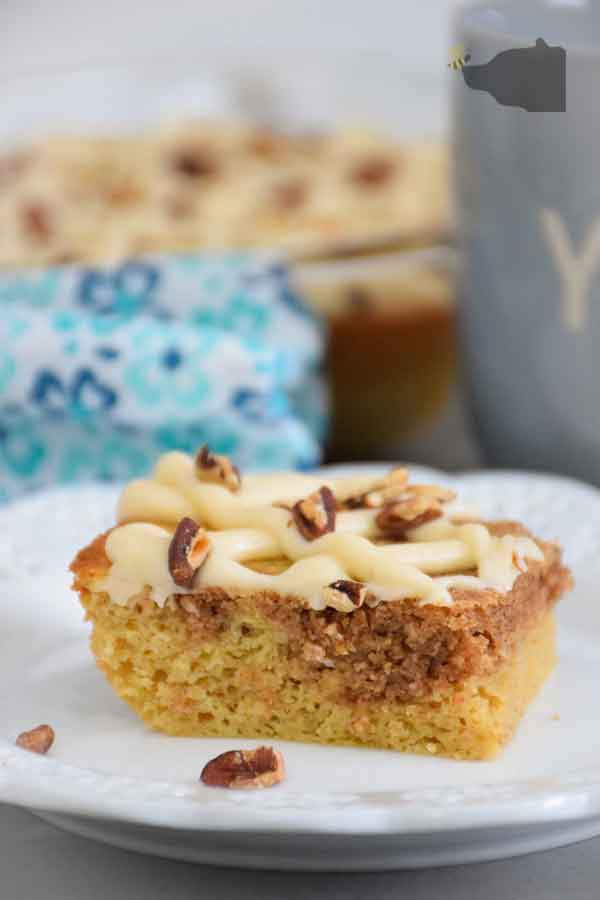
x=575, y=269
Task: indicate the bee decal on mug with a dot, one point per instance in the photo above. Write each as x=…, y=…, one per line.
x=459, y=57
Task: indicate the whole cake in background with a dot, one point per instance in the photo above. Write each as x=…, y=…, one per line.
x=364, y=610
x=213, y=186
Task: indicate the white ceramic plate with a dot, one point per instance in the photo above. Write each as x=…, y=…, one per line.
x=109, y=778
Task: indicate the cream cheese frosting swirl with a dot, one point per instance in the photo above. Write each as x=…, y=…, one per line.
x=245, y=526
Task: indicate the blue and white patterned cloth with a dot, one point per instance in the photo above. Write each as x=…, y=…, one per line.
x=101, y=370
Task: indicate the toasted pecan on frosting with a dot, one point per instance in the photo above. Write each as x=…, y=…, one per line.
x=214, y=467
x=398, y=517
x=188, y=551
x=379, y=492
x=315, y=515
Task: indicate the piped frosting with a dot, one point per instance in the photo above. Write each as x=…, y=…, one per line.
x=245, y=526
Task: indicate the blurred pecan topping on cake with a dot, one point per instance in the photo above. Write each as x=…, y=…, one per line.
x=315, y=515
x=373, y=171
x=291, y=194
x=391, y=487
x=345, y=595
x=260, y=768
x=188, y=551
x=37, y=221
x=37, y=740
x=124, y=194
x=13, y=164
x=268, y=144
x=66, y=258
x=178, y=204
x=433, y=491
x=218, y=469
x=195, y=162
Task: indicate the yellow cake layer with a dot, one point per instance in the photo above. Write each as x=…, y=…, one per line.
x=243, y=682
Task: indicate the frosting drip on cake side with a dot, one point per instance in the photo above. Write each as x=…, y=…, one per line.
x=245, y=526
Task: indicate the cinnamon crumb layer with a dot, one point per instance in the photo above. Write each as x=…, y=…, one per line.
x=244, y=682
x=397, y=651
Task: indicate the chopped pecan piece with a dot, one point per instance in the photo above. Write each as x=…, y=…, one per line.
x=37, y=222
x=373, y=171
x=399, y=516
x=258, y=768
x=291, y=194
x=124, y=194
x=188, y=551
x=345, y=595
x=315, y=515
x=195, y=162
x=392, y=487
x=218, y=469
x=267, y=144
x=13, y=164
x=38, y=740
x=434, y=491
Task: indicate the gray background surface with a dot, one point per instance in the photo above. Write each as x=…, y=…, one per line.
x=39, y=862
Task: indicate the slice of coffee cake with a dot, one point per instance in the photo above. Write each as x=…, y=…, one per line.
x=362, y=610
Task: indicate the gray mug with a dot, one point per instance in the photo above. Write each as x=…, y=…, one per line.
x=527, y=167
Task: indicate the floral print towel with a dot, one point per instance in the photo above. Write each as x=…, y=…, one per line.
x=101, y=370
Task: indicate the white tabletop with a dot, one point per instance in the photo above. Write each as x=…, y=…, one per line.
x=39, y=862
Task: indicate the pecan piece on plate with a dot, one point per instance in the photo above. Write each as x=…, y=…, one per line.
x=345, y=595
x=315, y=515
x=258, y=768
x=217, y=469
x=37, y=740
x=188, y=551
